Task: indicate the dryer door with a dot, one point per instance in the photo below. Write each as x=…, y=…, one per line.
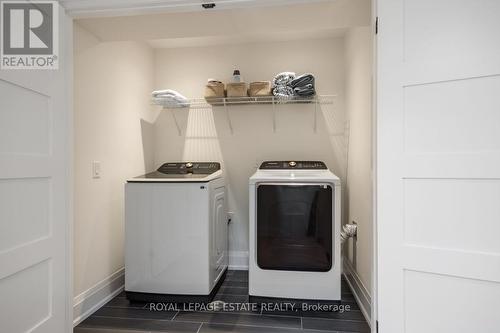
x=294, y=226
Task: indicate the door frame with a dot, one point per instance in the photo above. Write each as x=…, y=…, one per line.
x=70, y=16
x=66, y=49
x=374, y=163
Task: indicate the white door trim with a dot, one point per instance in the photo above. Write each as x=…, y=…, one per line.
x=374, y=162
x=94, y=8
x=237, y=258
x=66, y=45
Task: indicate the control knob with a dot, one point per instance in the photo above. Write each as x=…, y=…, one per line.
x=292, y=164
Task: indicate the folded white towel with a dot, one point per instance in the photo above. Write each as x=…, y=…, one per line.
x=167, y=92
x=170, y=98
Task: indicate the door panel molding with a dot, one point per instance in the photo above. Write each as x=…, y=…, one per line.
x=36, y=194
x=438, y=164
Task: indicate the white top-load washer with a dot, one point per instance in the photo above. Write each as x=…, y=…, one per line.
x=176, y=233
x=294, y=248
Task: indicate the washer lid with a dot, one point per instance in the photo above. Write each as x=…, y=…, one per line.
x=182, y=172
x=182, y=168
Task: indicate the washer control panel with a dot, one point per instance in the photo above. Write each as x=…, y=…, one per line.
x=304, y=165
x=180, y=168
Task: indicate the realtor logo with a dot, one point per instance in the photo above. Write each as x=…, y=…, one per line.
x=29, y=31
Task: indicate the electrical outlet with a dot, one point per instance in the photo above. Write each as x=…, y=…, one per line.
x=96, y=169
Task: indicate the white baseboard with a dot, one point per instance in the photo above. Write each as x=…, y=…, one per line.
x=238, y=260
x=360, y=292
x=95, y=297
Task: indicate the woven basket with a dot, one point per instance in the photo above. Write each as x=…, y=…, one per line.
x=260, y=88
x=238, y=89
x=214, y=90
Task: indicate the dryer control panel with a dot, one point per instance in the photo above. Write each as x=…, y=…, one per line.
x=180, y=168
x=284, y=165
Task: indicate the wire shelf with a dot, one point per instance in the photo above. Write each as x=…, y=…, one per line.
x=230, y=101
x=226, y=102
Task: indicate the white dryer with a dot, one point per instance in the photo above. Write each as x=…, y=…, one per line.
x=294, y=248
x=176, y=233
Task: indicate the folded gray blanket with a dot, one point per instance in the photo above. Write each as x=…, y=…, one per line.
x=304, y=91
x=287, y=86
x=302, y=81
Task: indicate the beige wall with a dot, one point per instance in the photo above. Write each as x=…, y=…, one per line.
x=205, y=132
x=115, y=124
x=359, y=178
x=111, y=96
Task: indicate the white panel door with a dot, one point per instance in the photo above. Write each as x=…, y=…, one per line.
x=34, y=189
x=438, y=168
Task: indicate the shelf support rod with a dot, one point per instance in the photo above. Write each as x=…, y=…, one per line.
x=274, y=115
x=316, y=115
x=228, y=117
x=176, y=122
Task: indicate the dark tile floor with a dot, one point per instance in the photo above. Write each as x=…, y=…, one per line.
x=121, y=316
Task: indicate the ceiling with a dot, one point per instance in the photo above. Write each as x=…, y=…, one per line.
x=312, y=20
x=249, y=38
x=92, y=8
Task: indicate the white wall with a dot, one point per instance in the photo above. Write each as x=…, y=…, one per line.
x=115, y=124
x=205, y=132
x=359, y=178
x=111, y=97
